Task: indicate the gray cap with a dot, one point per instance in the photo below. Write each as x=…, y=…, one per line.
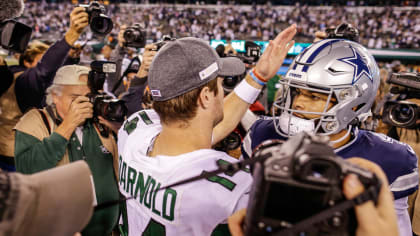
x=186, y=64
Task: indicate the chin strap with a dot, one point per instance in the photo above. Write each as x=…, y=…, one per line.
x=344, y=137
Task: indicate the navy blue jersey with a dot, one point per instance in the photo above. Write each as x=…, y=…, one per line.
x=397, y=159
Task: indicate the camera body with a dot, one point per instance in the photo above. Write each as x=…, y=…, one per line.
x=399, y=112
x=135, y=36
x=231, y=142
x=252, y=54
x=299, y=179
x=108, y=107
x=14, y=36
x=343, y=31
x=165, y=39
x=104, y=105
x=229, y=83
x=100, y=23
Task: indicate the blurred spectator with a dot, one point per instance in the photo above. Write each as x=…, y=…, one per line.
x=106, y=52
x=381, y=27
x=31, y=56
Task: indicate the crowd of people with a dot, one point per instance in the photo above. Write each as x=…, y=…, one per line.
x=382, y=27
x=58, y=117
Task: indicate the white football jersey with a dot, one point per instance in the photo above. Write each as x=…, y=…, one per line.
x=195, y=208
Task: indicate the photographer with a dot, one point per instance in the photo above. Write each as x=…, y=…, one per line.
x=62, y=133
x=321, y=99
x=379, y=220
x=134, y=96
x=399, y=113
x=31, y=57
x=28, y=88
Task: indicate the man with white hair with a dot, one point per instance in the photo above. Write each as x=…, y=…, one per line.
x=63, y=133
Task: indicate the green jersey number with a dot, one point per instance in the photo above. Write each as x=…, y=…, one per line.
x=131, y=125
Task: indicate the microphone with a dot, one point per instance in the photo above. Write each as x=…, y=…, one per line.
x=11, y=9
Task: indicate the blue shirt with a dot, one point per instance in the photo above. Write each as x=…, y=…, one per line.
x=397, y=159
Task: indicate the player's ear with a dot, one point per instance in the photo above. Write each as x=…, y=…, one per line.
x=205, y=97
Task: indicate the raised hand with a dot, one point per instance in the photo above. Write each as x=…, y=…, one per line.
x=273, y=56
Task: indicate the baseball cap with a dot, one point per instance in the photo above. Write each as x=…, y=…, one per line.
x=69, y=75
x=58, y=201
x=186, y=64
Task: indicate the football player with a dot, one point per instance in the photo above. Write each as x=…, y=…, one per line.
x=173, y=141
x=328, y=90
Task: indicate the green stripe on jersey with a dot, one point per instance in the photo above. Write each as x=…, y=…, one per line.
x=222, y=181
x=145, y=118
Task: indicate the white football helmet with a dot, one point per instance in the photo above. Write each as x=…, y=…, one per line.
x=338, y=68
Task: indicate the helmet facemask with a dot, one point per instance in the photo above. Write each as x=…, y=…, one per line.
x=290, y=124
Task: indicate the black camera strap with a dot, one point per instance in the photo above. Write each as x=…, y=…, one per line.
x=369, y=194
x=223, y=168
x=125, y=74
x=52, y=113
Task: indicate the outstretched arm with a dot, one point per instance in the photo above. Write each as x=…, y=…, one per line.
x=31, y=85
x=267, y=66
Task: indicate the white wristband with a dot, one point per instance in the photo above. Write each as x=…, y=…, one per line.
x=247, y=92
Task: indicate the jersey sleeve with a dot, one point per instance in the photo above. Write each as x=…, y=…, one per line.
x=246, y=149
x=399, y=162
x=135, y=125
x=407, y=181
x=404, y=223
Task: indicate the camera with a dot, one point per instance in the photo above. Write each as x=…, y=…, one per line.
x=135, y=36
x=230, y=82
x=297, y=189
x=252, y=54
x=99, y=23
x=104, y=105
x=165, y=39
x=399, y=112
x=231, y=142
x=14, y=36
x=343, y=31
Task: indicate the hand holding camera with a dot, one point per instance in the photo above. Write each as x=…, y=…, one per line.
x=121, y=40
x=373, y=220
x=79, y=19
x=149, y=53
x=379, y=220
x=80, y=110
x=298, y=188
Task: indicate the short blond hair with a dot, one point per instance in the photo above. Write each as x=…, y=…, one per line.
x=33, y=50
x=184, y=107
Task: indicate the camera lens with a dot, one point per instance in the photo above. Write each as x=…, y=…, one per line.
x=229, y=83
x=402, y=114
x=232, y=141
x=101, y=25
x=130, y=36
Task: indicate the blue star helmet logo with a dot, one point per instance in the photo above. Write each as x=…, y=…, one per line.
x=359, y=65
